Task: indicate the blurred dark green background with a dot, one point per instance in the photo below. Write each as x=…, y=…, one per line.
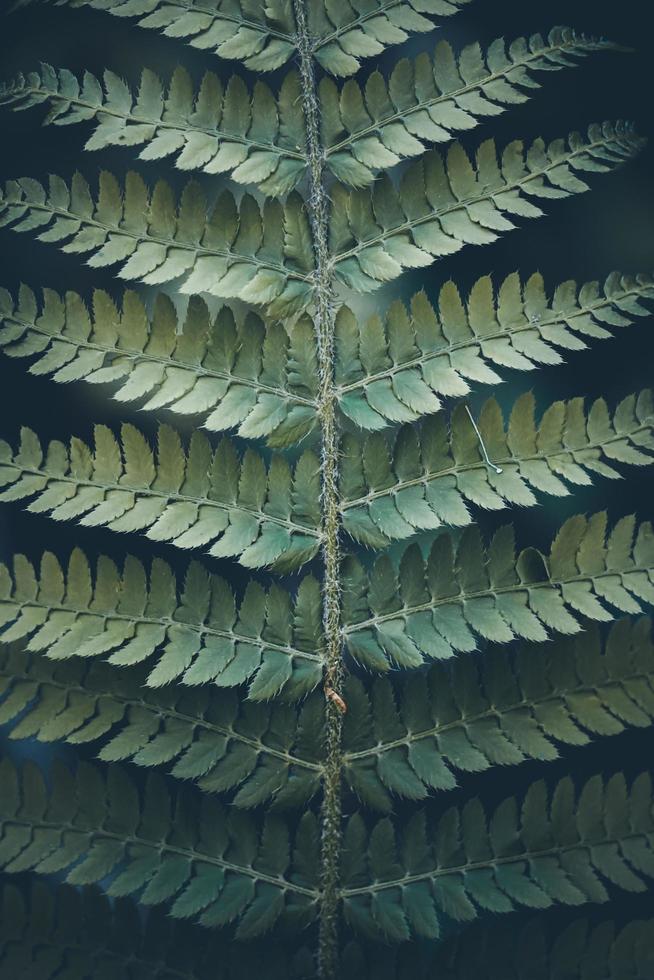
x=583, y=238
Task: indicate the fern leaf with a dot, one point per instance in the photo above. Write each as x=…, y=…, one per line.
x=233, y=373
x=258, y=255
x=396, y=370
x=255, y=136
x=48, y=926
x=576, y=946
x=261, y=36
x=443, y=204
x=370, y=128
x=550, y=848
x=473, y=714
x=271, y=640
x=263, y=515
x=536, y=950
x=211, y=865
x=439, y=605
x=257, y=751
x=264, y=37
x=345, y=33
x=54, y=930
x=429, y=474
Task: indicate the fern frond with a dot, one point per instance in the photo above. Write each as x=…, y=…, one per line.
x=54, y=930
x=49, y=926
x=234, y=373
x=248, y=694
x=439, y=605
x=272, y=641
x=426, y=100
x=428, y=475
x=395, y=370
x=550, y=848
x=257, y=137
x=213, y=865
x=206, y=735
x=537, y=951
x=262, y=36
x=443, y=204
x=346, y=32
x=261, y=514
x=260, y=255
x=497, y=710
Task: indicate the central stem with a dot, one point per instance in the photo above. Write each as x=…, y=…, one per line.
x=333, y=675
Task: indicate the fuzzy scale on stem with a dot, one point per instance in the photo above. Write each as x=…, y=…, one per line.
x=333, y=674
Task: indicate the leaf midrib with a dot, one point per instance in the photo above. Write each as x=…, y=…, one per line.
x=575, y=46
x=463, y=597
x=499, y=713
x=197, y=6
x=124, y=352
x=338, y=32
x=166, y=495
x=198, y=250
x=478, y=199
x=478, y=340
x=158, y=123
x=429, y=477
x=166, y=621
x=163, y=713
x=196, y=857
x=523, y=857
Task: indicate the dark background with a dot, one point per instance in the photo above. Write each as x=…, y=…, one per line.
x=583, y=238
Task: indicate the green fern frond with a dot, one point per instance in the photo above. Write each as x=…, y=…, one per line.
x=496, y=710
x=209, y=736
x=264, y=37
x=428, y=475
x=582, y=950
x=55, y=930
x=235, y=706
x=261, y=514
x=347, y=32
x=260, y=36
x=394, y=370
x=260, y=255
x=271, y=640
x=550, y=848
x=271, y=372
x=261, y=138
x=255, y=136
x=464, y=717
x=233, y=372
x=437, y=606
x=556, y=849
x=443, y=204
x=190, y=850
x=426, y=100
x=50, y=927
